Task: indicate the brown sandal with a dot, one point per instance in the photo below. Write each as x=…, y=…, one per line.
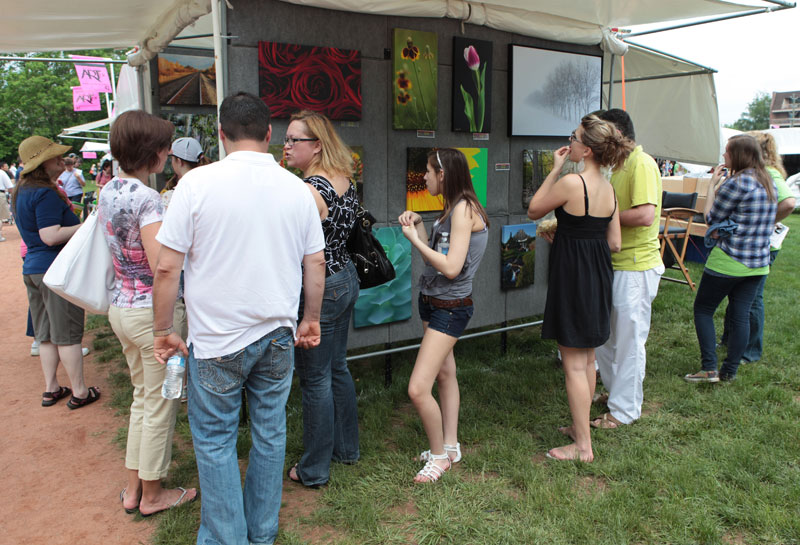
x=606, y=422
x=51, y=398
x=77, y=403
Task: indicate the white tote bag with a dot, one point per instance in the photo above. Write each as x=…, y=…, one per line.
x=83, y=272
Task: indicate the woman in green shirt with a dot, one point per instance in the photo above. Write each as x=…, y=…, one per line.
x=738, y=262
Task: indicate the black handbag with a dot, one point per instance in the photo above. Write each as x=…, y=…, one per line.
x=367, y=253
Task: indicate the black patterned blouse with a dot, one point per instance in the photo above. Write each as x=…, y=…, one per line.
x=337, y=226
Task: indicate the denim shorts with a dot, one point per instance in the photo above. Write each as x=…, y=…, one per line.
x=450, y=321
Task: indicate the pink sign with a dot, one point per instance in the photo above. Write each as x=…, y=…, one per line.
x=90, y=155
x=93, y=76
x=85, y=100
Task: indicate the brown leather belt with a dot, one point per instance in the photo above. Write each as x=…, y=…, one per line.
x=447, y=303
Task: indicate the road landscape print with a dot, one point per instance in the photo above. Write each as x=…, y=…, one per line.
x=187, y=80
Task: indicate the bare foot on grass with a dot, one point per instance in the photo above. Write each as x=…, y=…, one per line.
x=570, y=452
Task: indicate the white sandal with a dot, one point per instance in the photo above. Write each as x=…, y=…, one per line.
x=431, y=471
x=426, y=455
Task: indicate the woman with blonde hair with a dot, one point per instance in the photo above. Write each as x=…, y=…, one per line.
x=578, y=308
x=786, y=203
x=737, y=265
x=445, y=302
x=330, y=412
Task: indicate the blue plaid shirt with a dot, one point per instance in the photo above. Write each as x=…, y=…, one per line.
x=742, y=199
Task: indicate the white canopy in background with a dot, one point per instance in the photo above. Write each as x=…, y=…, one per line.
x=788, y=140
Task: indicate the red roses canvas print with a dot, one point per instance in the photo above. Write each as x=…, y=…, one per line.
x=323, y=79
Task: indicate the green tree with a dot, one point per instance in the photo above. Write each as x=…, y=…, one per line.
x=36, y=98
x=756, y=117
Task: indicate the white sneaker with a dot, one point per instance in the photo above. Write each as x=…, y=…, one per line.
x=35, y=348
x=85, y=351
x=2, y=238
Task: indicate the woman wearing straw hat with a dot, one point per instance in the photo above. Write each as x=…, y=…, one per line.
x=46, y=222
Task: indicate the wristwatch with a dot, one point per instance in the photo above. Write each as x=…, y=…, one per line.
x=163, y=332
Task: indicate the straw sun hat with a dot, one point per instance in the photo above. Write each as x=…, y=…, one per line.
x=36, y=150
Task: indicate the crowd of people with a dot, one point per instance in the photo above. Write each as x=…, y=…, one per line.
x=245, y=333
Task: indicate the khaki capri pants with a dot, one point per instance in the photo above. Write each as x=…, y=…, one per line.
x=152, y=420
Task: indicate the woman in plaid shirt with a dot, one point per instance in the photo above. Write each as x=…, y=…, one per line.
x=736, y=264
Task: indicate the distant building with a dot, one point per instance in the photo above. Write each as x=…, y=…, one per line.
x=784, y=111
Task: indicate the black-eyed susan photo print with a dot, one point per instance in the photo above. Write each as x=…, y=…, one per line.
x=415, y=80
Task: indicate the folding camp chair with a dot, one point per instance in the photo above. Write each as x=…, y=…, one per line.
x=678, y=212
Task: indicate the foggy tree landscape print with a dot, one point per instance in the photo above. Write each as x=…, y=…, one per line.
x=551, y=90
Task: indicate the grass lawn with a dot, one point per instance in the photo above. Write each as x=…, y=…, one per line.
x=715, y=463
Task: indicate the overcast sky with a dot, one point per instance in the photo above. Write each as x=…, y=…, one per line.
x=751, y=54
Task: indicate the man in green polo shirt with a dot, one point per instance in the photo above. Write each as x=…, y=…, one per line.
x=637, y=272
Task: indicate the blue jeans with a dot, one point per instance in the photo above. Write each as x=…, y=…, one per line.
x=228, y=516
x=755, y=344
x=740, y=292
x=330, y=411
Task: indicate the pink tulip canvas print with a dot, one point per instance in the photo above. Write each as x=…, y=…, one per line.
x=472, y=85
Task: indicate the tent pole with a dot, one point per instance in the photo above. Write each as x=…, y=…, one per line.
x=218, y=68
x=781, y=5
x=610, y=83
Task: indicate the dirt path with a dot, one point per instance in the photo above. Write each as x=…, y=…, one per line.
x=61, y=473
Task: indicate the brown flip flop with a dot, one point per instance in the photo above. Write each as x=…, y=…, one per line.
x=605, y=422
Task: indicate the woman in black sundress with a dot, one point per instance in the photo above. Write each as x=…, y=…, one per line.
x=579, y=287
x=330, y=414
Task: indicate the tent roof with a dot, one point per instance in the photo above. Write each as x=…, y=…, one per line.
x=48, y=25
x=576, y=21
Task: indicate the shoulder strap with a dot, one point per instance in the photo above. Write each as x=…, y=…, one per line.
x=585, y=195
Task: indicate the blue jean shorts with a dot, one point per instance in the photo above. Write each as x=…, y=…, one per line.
x=450, y=321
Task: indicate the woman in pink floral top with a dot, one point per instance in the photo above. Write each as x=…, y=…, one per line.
x=130, y=212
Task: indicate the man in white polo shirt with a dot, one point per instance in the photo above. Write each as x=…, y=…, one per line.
x=245, y=225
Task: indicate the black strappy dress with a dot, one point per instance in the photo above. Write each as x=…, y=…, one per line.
x=578, y=307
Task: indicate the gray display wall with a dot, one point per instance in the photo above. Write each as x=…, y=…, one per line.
x=385, y=149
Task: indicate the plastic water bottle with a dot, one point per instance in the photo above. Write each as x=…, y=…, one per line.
x=173, y=380
x=444, y=243
x=443, y=246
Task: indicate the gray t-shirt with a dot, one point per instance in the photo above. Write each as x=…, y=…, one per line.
x=438, y=285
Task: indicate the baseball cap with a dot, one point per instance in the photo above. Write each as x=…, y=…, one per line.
x=187, y=148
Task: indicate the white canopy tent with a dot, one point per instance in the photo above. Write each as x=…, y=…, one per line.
x=656, y=99
x=48, y=25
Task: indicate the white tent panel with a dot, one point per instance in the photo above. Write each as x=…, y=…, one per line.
x=97, y=147
x=86, y=127
x=675, y=117
x=678, y=122
x=47, y=25
x=788, y=140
